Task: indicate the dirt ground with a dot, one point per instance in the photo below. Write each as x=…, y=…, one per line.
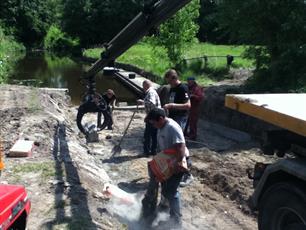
x=65, y=176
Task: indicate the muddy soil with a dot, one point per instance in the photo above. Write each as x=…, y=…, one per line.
x=65, y=177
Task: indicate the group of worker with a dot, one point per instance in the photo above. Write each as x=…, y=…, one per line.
x=166, y=126
x=182, y=105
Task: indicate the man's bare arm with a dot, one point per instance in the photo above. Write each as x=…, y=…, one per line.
x=180, y=151
x=184, y=106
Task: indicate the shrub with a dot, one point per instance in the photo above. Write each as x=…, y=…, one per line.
x=10, y=52
x=57, y=41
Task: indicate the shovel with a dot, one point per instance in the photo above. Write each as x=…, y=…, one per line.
x=117, y=148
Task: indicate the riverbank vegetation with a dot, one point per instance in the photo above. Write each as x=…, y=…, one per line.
x=10, y=52
x=272, y=34
x=278, y=30
x=58, y=41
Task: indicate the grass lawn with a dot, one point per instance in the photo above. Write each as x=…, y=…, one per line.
x=141, y=55
x=144, y=56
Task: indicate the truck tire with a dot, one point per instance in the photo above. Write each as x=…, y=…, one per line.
x=283, y=207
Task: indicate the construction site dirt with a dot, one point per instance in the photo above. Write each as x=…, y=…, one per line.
x=65, y=176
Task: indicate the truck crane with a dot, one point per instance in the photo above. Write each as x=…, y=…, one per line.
x=153, y=14
x=279, y=188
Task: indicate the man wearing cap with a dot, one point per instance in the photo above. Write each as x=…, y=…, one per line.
x=171, y=141
x=179, y=103
x=196, y=97
x=150, y=102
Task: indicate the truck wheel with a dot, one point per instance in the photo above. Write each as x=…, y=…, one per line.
x=282, y=207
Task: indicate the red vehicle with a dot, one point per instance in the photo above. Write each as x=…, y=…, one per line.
x=14, y=207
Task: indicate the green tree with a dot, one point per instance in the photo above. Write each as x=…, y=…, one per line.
x=57, y=41
x=76, y=15
x=95, y=21
x=277, y=31
x=29, y=20
x=177, y=32
x=210, y=30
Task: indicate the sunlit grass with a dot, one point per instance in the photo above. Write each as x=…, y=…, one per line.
x=141, y=55
x=144, y=56
x=44, y=169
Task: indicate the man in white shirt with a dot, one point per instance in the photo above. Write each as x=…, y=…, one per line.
x=150, y=101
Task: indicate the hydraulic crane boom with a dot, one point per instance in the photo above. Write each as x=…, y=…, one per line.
x=150, y=18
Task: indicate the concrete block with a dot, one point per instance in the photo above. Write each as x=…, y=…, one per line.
x=22, y=148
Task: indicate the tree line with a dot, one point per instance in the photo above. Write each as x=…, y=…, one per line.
x=91, y=21
x=274, y=30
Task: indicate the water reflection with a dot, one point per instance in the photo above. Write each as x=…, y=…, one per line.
x=44, y=70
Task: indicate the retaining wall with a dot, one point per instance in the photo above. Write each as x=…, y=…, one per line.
x=213, y=109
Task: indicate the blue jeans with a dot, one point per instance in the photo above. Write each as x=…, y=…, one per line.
x=181, y=120
x=169, y=191
x=110, y=124
x=150, y=139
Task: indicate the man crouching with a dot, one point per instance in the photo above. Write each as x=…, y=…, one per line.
x=167, y=167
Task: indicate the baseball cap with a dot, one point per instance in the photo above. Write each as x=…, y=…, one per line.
x=191, y=78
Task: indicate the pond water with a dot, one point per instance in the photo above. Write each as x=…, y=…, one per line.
x=44, y=70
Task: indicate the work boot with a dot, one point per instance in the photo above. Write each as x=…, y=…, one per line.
x=170, y=224
x=163, y=205
x=176, y=223
x=186, y=179
x=148, y=210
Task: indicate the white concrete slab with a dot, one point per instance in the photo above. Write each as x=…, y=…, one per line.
x=22, y=148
